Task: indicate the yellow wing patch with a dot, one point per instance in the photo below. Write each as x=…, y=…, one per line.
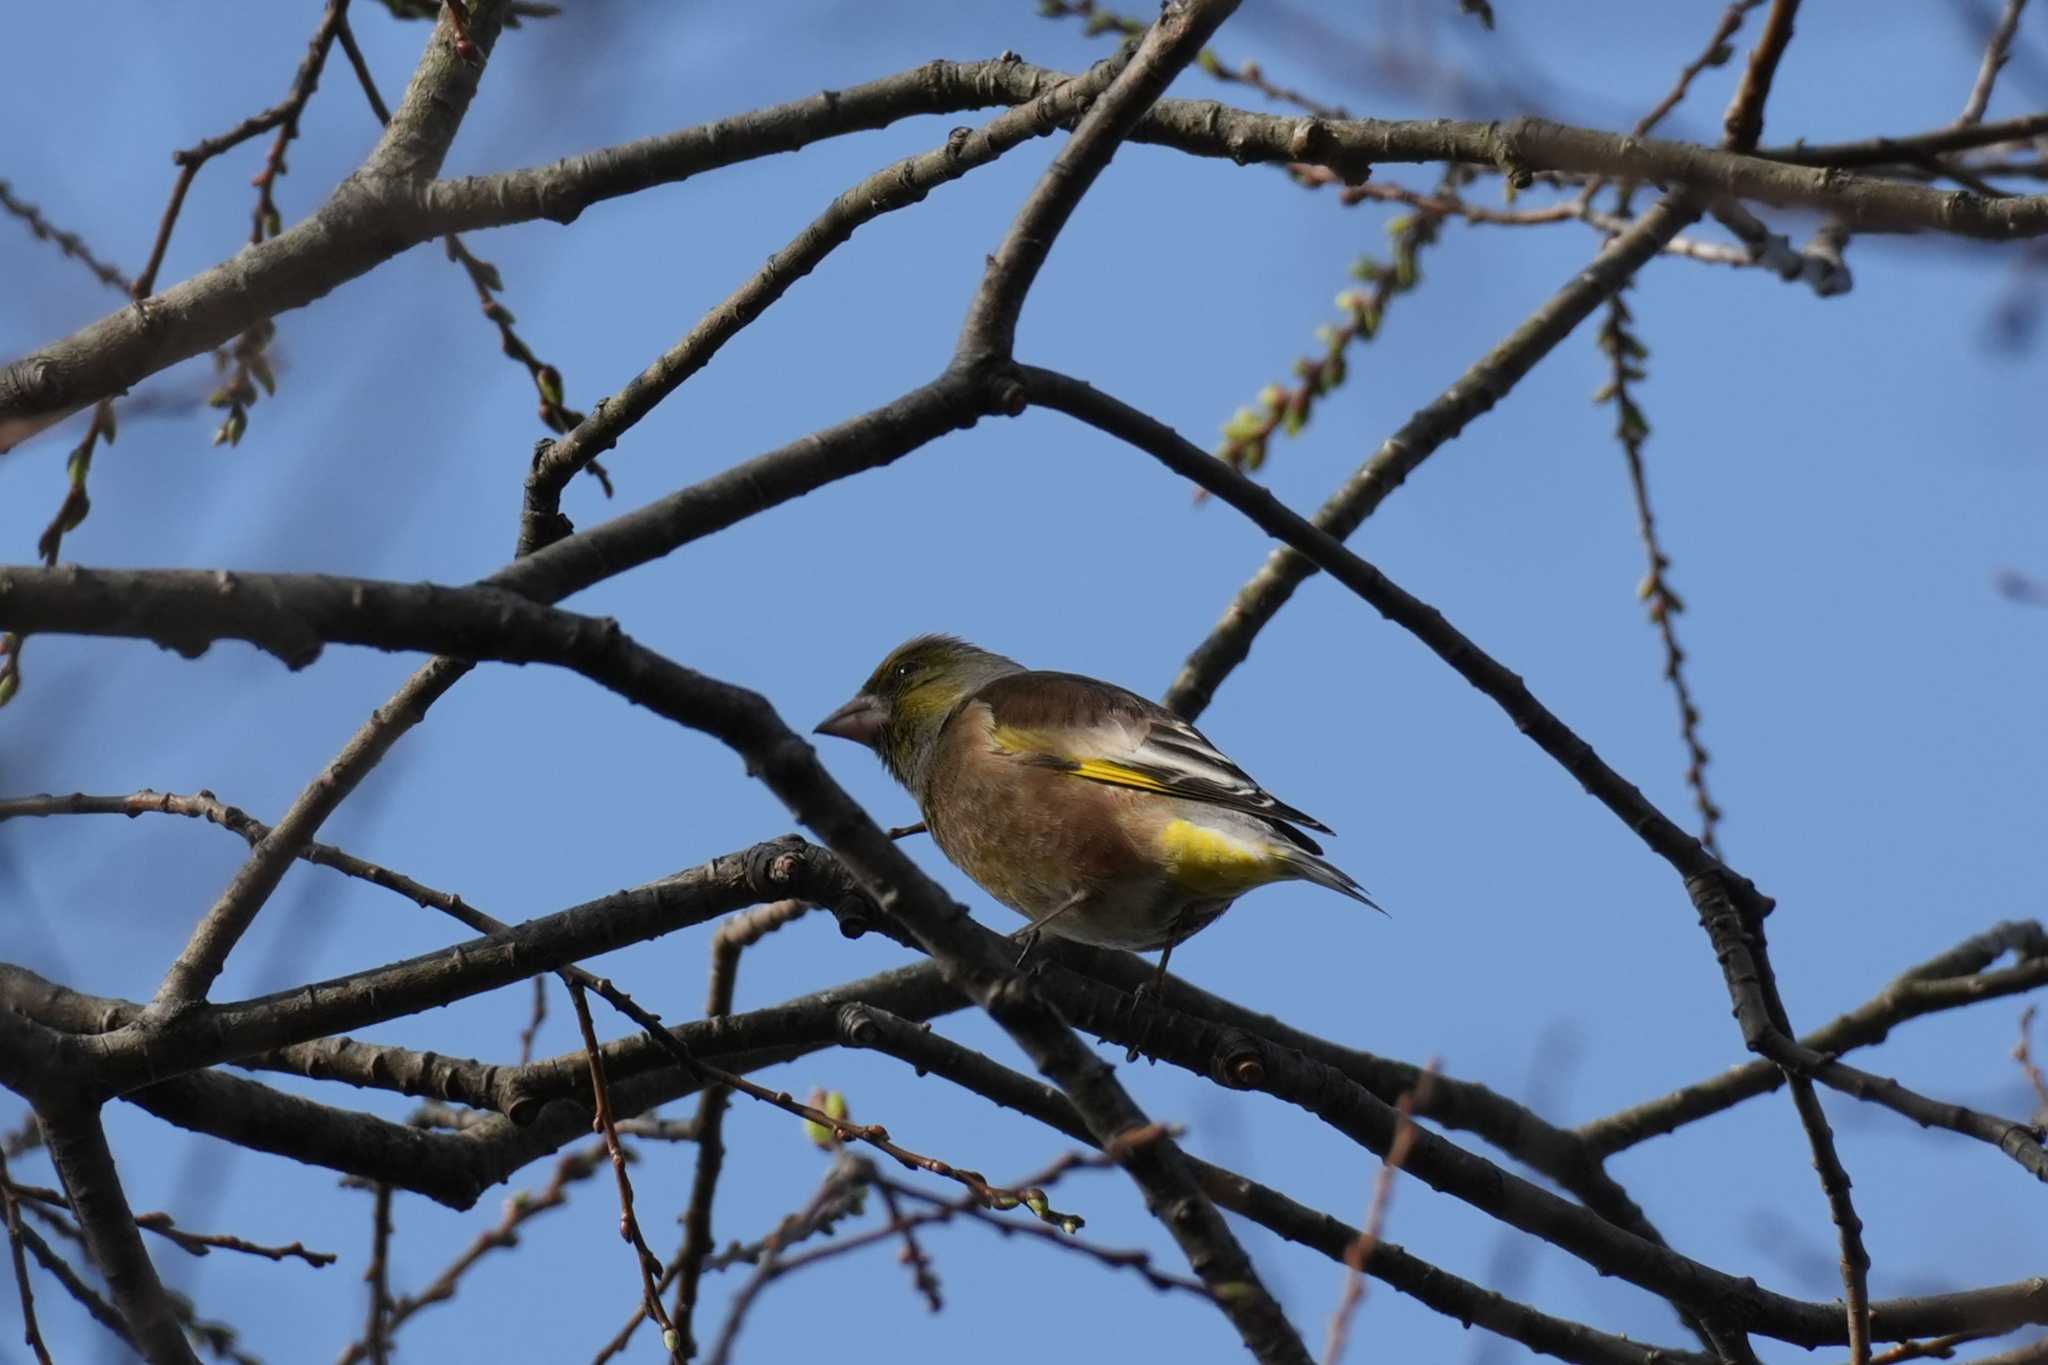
x=1011, y=739
x=1117, y=775
x=1209, y=863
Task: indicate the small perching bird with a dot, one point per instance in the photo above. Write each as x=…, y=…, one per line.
x=1096, y=814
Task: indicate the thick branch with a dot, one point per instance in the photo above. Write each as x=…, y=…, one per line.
x=78, y=1149
x=868, y=1027
x=1664, y=836
x=142, y=1050
x=369, y=220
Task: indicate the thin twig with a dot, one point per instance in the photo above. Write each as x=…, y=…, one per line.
x=629, y=1226
x=1716, y=53
x=1287, y=408
x=1138, y=1262
x=1098, y=19
x=192, y=1243
x=90, y=1299
x=534, y=1020
x=1955, y=979
x=921, y=1273
x=1229, y=642
x=731, y=938
x=1373, y=1230
x=1996, y=50
x=2022, y=1052
x=31, y=1334
x=377, y=1334
x=846, y=1173
x=518, y=1210
x=1625, y=353
x=70, y=243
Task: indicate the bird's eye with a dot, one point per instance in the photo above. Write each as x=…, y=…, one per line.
x=902, y=672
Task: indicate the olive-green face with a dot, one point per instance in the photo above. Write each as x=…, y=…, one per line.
x=915, y=665
x=911, y=690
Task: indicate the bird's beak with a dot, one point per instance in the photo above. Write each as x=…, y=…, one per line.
x=860, y=720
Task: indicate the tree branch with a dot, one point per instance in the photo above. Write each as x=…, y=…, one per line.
x=374, y=217
x=1951, y=981
x=896, y=186
x=990, y=329
x=78, y=1149
x=1473, y=394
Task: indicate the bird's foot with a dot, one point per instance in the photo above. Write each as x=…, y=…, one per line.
x=1026, y=940
x=1150, y=996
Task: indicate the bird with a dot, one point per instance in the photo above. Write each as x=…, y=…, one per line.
x=1098, y=815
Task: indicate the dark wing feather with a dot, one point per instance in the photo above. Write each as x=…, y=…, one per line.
x=1099, y=731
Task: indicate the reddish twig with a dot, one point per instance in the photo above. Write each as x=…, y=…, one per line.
x=1139, y=1262
x=534, y=1020
x=518, y=1209
x=70, y=243
x=162, y=1224
x=1361, y=1249
x=1098, y=20
x=377, y=1334
x=629, y=1226
x=31, y=1334
x=77, y=465
x=248, y=356
x=1716, y=53
x=2022, y=1052
x=88, y=1298
x=912, y=1255
x=732, y=937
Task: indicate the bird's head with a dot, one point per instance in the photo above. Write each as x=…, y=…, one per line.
x=901, y=708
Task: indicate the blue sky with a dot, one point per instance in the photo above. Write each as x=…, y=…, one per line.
x=1837, y=481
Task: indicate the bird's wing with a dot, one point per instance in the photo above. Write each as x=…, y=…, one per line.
x=1099, y=731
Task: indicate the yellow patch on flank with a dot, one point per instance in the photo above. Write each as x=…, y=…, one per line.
x=1210, y=863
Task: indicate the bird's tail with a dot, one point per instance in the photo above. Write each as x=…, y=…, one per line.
x=1312, y=868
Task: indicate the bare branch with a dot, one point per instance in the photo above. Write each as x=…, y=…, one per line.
x=1952, y=981
x=78, y=1148
x=31, y=1334
x=1996, y=49
x=990, y=329
x=1744, y=123
x=1475, y=392
x=372, y=217
x=70, y=243
x=1373, y=1232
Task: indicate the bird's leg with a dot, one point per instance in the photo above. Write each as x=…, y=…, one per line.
x=1027, y=937
x=1155, y=989
x=1150, y=992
